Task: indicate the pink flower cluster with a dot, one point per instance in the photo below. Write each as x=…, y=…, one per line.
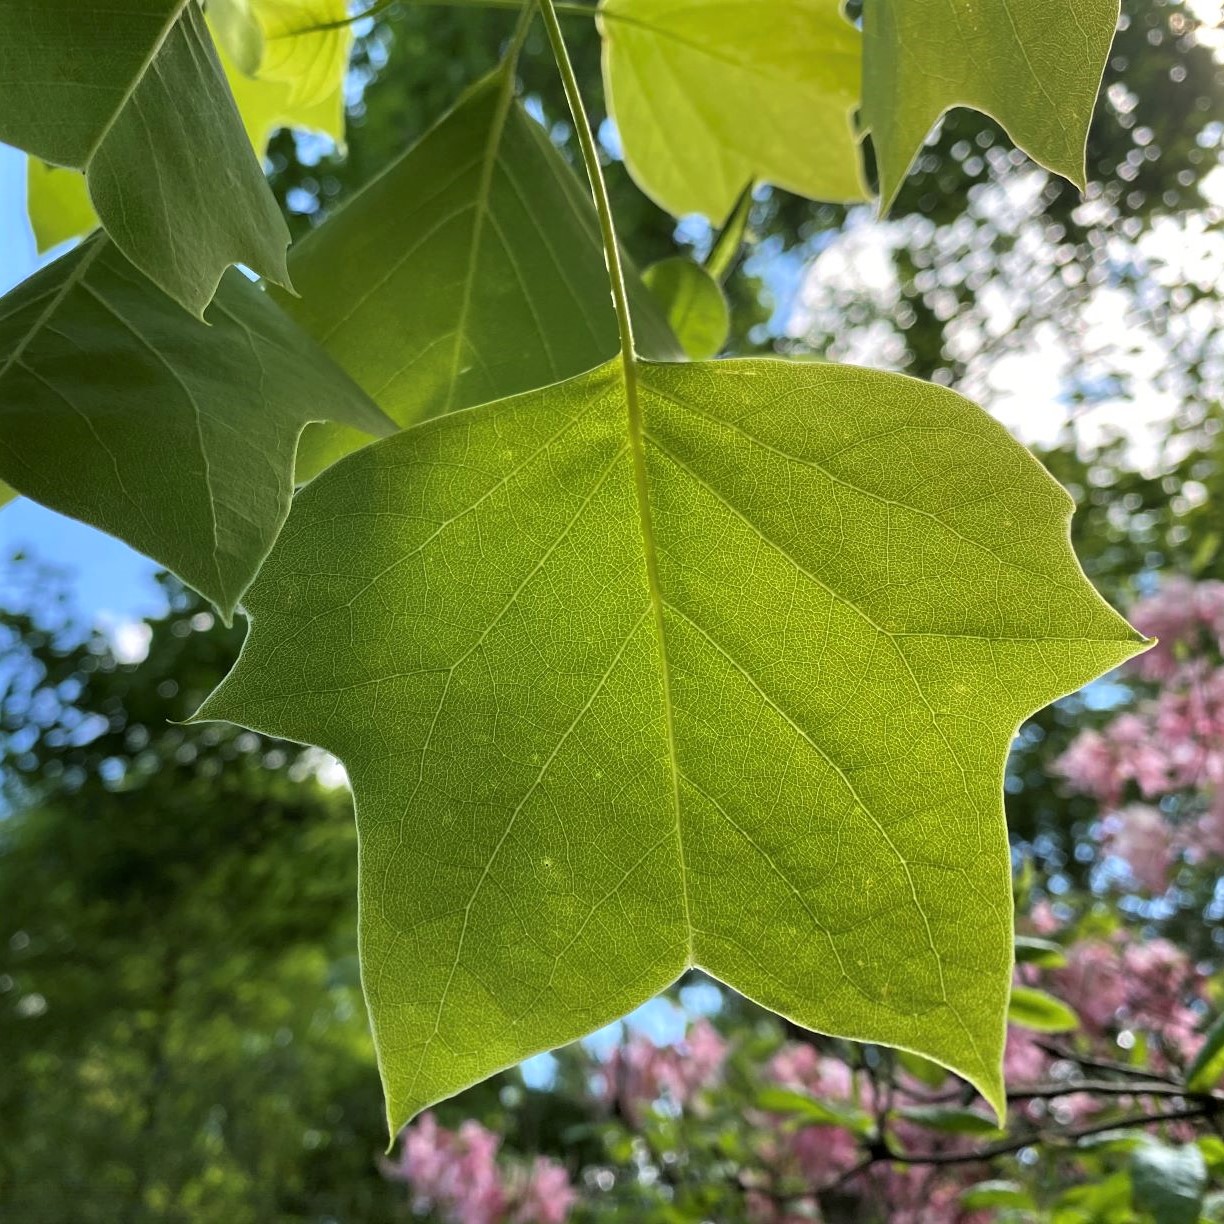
x=457, y=1175
x=639, y=1074
x=1171, y=743
x=1150, y=986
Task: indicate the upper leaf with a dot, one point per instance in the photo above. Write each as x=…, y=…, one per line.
x=1033, y=65
x=470, y=270
x=121, y=410
x=59, y=204
x=136, y=98
x=709, y=97
x=717, y=664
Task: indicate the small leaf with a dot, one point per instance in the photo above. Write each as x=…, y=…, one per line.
x=58, y=204
x=499, y=284
x=815, y=1111
x=1043, y=953
x=693, y=302
x=121, y=410
x=1205, y=1071
x=710, y=97
x=136, y=98
x=989, y=1194
x=1035, y=66
x=1168, y=1181
x=1042, y=1013
x=612, y=706
x=922, y=1069
x=950, y=1121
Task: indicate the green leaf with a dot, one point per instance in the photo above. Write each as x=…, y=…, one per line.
x=1168, y=1181
x=694, y=304
x=989, y=1194
x=1042, y=1013
x=922, y=1069
x=7, y=493
x=1205, y=1071
x=951, y=1121
x=1033, y=65
x=237, y=33
x=499, y=284
x=121, y=410
x=306, y=45
x=58, y=204
x=1043, y=953
x=711, y=664
x=135, y=97
x=709, y=97
x=814, y=1111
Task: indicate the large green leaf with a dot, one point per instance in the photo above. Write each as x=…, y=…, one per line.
x=121, y=410
x=1034, y=65
x=136, y=98
x=470, y=270
x=709, y=97
x=714, y=665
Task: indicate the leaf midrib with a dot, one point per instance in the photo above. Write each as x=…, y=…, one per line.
x=134, y=84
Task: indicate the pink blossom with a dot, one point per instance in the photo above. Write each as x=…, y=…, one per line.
x=1092, y=983
x=638, y=1073
x=454, y=1174
x=1182, y=614
x=824, y=1153
x=1024, y=1061
x=547, y=1197
x=1140, y=836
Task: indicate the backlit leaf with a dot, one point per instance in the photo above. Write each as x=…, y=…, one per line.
x=709, y=97
x=714, y=665
x=121, y=410
x=136, y=98
x=813, y=1111
x=694, y=304
x=306, y=46
x=499, y=284
x=1034, y=1009
x=58, y=204
x=1034, y=65
x=1041, y=952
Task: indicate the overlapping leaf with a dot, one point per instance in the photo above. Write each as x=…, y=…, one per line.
x=1034, y=65
x=711, y=664
x=136, y=98
x=708, y=97
x=119, y=409
x=59, y=204
x=470, y=270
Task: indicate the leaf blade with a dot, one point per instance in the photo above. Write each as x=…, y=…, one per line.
x=709, y=98
x=104, y=93
x=123, y=411
x=533, y=756
x=922, y=58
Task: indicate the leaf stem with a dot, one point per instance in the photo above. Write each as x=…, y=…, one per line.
x=727, y=245
x=380, y=6
x=599, y=188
